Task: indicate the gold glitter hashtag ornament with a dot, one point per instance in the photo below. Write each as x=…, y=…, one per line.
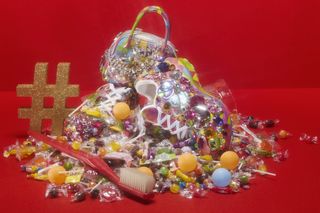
x=40, y=89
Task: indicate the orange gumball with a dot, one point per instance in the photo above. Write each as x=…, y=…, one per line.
x=187, y=162
x=229, y=160
x=57, y=175
x=145, y=170
x=121, y=111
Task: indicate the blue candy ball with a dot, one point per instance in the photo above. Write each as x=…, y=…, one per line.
x=221, y=177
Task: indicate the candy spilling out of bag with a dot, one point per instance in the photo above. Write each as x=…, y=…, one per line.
x=151, y=128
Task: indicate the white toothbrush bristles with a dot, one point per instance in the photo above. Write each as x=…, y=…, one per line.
x=134, y=178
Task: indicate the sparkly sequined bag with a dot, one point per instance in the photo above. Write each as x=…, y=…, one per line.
x=135, y=51
x=176, y=106
x=132, y=53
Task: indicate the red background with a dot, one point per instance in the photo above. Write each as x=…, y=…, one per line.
x=266, y=44
x=249, y=43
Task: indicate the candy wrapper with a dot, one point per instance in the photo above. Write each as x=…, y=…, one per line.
x=154, y=118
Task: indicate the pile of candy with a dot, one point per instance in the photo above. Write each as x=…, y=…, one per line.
x=153, y=115
x=182, y=167
x=67, y=176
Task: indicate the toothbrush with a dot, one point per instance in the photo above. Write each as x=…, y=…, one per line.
x=129, y=180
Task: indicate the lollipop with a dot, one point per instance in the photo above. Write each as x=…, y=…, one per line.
x=57, y=175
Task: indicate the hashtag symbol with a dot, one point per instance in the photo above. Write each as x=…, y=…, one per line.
x=40, y=89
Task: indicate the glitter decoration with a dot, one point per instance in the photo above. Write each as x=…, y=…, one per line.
x=40, y=89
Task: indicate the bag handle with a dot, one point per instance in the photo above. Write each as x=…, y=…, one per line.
x=150, y=9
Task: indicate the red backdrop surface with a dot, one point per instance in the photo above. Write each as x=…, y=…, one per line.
x=252, y=44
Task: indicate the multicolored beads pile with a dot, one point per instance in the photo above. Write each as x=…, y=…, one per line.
x=154, y=115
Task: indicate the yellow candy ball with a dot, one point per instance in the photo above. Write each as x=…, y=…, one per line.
x=187, y=162
x=121, y=111
x=145, y=170
x=115, y=146
x=229, y=160
x=76, y=145
x=57, y=175
x=174, y=188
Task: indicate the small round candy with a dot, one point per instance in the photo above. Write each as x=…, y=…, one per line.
x=78, y=197
x=102, y=151
x=262, y=167
x=115, y=146
x=53, y=193
x=229, y=160
x=202, y=111
x=94, y=193
x=221, y=177
x=244, y=180
x=145, y=170
x=76, y=145
x=265, y=146
x=57, y=175
x=187, y=162
x=68, y=165
x=283, y=134
x=164, y=171
x=269, y=123
x=182, y=184
x=174, y=188
x=163, y=67
x=121, y=111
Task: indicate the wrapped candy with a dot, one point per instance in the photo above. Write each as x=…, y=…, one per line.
x=109, y=193
x=21, y=151
x=54, y=191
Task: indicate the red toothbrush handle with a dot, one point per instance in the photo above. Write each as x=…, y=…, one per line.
x=94, y=162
